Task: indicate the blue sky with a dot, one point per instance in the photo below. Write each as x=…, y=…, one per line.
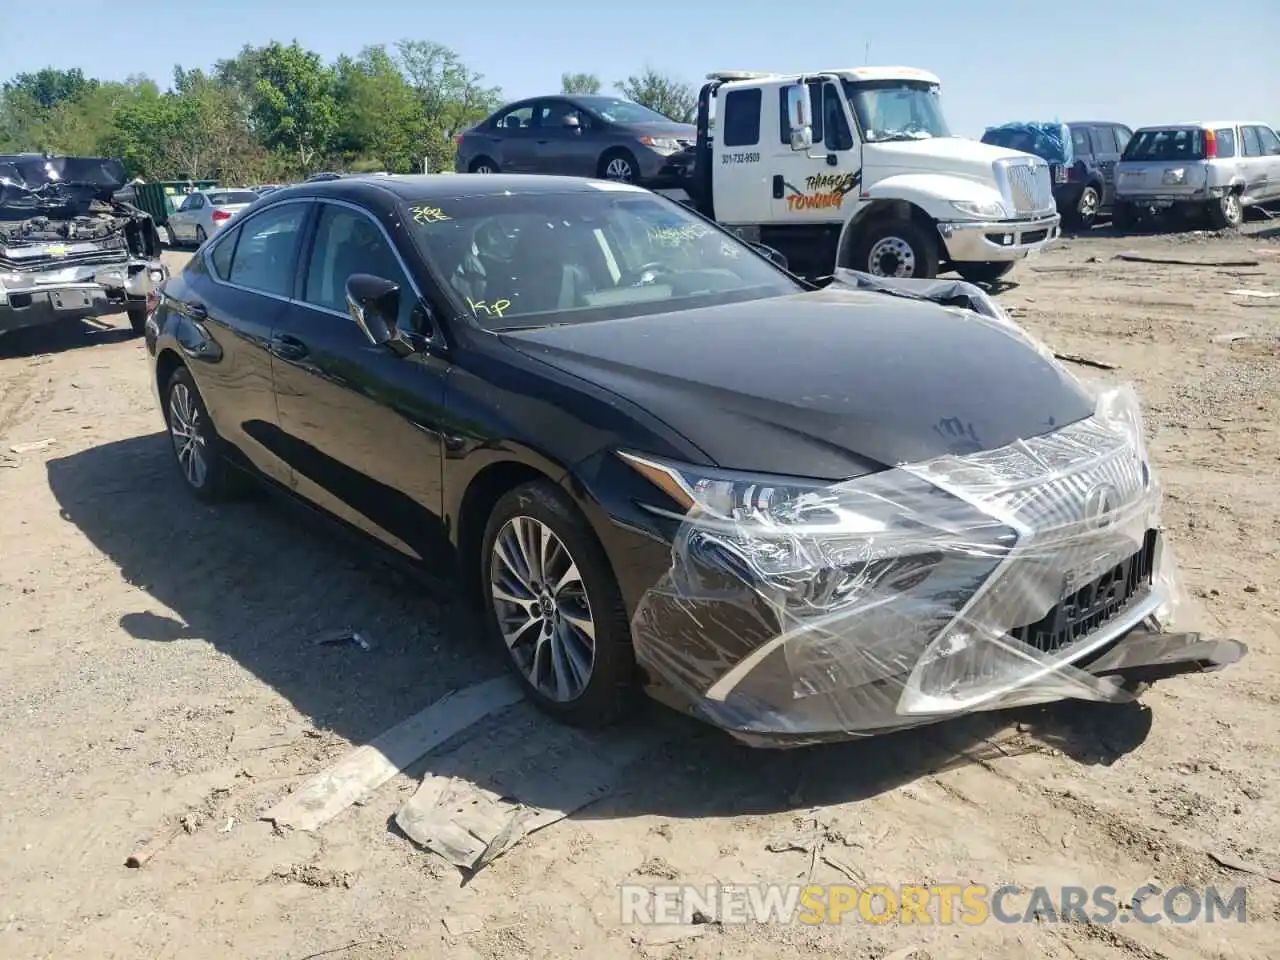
x=1136, y=61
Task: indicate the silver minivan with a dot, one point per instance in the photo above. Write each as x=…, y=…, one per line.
x=1219, y=167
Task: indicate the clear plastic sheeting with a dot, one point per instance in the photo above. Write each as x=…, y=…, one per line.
x=923, y=592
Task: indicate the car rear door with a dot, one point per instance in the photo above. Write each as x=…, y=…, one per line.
x=361, y=425
x=179, y=222
x=1106, y=154
x=1267, y=186
x=514, y=135
x=232, y=292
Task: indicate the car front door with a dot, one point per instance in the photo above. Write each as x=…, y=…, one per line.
x=1270, y=144
x=1253, y=163
x=361, y=424
x=235, y=289
x=564, y=140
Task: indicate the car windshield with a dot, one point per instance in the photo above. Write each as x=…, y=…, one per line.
x=532, y=260
x=1181, y=143
x=617, y=110
x=897, y=109
x=232, y=197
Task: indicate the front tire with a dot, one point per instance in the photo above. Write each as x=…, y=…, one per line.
x=552, y=603
x=197, y=448
x=1226, y=213
x=987, y=272
x=897, y=248
x=619, y=165
x=1085, y=214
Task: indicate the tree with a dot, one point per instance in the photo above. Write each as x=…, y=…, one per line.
x=295, y=109
x=587, y=83
x=50, y=87
x=658, y=91
x=452, y=96
x=381, y=119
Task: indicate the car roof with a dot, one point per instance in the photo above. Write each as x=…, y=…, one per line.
x=1096, y=123
x=1204, y=124
x=447, y=186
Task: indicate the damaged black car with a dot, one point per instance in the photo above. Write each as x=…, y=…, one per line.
x=68, y=249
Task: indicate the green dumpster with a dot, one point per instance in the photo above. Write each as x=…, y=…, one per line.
x=164, y=196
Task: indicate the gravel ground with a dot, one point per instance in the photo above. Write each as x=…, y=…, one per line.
x=160, y=681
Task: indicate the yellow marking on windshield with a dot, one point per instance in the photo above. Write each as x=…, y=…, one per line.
x=428, y=215
x=490, y=309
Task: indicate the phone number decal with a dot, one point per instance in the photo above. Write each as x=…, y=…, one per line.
x=741, y=158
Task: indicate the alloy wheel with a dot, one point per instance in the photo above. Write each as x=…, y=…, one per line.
x=1088, y=205
x=1231, y=208
x=542, y=608
x=618, y=169
x=891, y=257
x=186, y=429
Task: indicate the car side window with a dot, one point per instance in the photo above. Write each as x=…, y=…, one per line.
x=836, y=132
x=221, y=254
x=521, y=118
x=553, y=114
x=265, y=251
x=1080, y=144
x=348, y=242
x=1270, y=142
x=197, y=201
x=1252, y=145
x=741, y=119
x=1226, y=141
x=185, y=205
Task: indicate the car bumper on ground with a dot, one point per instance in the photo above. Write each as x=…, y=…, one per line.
x=76, y=293
x=968, y=241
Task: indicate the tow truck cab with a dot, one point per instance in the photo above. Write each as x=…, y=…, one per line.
x=858, y=168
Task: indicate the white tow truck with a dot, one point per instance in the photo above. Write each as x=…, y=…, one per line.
x=858, y=168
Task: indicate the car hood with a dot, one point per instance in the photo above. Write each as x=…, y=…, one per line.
x=830, y=384
x=33, y=184
x=668, y=131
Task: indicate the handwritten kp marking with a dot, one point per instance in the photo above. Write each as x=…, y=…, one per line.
x=495, y=309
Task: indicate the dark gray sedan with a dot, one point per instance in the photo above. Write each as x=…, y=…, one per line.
x=583, y=136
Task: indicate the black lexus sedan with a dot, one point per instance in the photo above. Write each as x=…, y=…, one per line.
x=659, y=461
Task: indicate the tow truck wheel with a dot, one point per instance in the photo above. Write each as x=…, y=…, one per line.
x=897, y=248
x=985, y=272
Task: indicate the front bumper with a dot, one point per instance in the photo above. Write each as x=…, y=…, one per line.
x=30, y=299
x=1024, y=575
x=969, y=241
x=661, y=171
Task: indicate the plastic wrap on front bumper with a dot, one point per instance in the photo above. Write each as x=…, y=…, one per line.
x=921, y=593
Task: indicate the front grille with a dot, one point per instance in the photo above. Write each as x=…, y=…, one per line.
x=1085, y=610
x=35, y=256
x=1029, y=188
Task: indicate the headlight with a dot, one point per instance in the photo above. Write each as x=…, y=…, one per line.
x=661, y=144
x=992, y=208
x=818, y=545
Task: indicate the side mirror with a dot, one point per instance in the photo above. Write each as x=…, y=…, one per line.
x=774, y=255
x=800, y=116
x=572, y=124
x=374, y=304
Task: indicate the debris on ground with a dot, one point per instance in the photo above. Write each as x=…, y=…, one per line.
x=502, y=785
x=461, y=924
x=1085, y=361
x=33, y=445
x=1257, y=294
x=1232, y=862
x=140, y=857
x=361, y=640
x=1180, y=262
x=368, y=767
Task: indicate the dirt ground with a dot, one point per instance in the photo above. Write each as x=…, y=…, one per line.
x=158, y=676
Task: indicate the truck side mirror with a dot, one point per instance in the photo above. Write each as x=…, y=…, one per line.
x=800, y=116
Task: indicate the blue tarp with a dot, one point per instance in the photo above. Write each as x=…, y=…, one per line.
x=1050, y=141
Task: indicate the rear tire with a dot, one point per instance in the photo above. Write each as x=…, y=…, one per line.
x=987, y=272
x=482, y=165
x=897, y=248
x=1226, y=213
x=544, y=604
x=1085, y=214
x=192, y=435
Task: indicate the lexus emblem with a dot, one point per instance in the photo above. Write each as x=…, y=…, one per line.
x=1100, y=504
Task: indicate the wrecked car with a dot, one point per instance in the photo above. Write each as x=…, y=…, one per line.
x=657, y=459
x=69, y=249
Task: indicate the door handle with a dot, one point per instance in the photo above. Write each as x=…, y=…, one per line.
x=288, y=348
x=197, y=311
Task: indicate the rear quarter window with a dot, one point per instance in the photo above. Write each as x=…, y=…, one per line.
x=1225, y=138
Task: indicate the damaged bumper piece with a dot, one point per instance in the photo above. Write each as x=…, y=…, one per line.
x=76, y=293
x=798, y=612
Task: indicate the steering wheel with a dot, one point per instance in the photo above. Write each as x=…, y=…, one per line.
x=644, y=274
